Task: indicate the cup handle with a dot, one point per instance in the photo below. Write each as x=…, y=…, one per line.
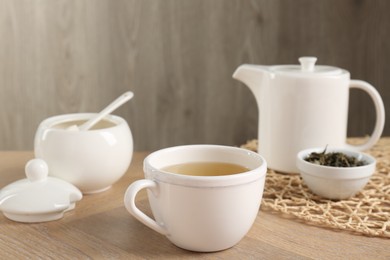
x=129, y=201
x=379, y=110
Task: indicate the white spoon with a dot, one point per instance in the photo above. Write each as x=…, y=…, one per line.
x=111, y=107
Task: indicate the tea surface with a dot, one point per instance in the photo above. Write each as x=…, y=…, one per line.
x=206, y=169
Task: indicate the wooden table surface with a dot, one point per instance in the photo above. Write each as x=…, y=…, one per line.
x=100, y=228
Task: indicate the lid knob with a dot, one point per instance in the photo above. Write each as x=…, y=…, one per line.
x=307, y=63
x=36, y=170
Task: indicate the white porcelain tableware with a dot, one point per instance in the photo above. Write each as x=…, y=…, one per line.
x=303, y=106
x=200, y=213
x=92, y=160
x=335, y=182
x=38, y=198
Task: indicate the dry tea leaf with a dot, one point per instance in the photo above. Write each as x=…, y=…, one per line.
x=334, y=159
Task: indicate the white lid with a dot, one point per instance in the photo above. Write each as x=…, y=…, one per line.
x=38, y=198
x=308, y=68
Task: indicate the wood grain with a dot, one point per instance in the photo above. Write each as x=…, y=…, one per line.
x=101, y=228
x=69, y=56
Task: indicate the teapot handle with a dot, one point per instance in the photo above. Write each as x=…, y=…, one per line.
x=379, y=110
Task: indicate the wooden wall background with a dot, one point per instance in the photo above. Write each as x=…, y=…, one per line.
x=65, y=56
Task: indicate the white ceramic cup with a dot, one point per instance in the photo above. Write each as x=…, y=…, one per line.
x=91, y=160
x=200, y=213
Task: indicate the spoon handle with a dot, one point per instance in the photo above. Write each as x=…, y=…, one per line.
x=111, y=107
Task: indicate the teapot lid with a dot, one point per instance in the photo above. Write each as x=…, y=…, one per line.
x=38, y=198
x=307, y=67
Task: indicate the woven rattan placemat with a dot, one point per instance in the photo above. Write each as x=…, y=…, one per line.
x=366, y=213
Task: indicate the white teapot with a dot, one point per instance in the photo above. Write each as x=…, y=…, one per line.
x=304, y=106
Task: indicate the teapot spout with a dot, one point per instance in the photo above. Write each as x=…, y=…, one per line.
x=253, y=76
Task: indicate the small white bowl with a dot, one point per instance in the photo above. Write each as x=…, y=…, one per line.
x=91, y=160
x=335, y=182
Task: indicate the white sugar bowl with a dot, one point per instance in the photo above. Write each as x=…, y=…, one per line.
x=335, y=182
x=38, y=198
x=92, y=160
